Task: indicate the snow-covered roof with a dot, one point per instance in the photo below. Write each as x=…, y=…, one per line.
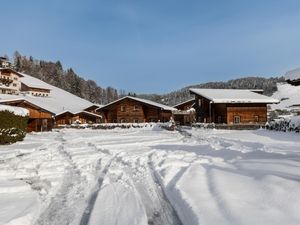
x=58, y=101
x=15, y=110
x=233, y=96
x=293, y=74
x=145, y=101
x=34, y=83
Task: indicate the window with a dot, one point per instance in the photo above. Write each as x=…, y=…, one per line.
x=236, y=119
x=219, y=119
x=256, y=118
x=136, y=121
x=123, y=108
x=123, y=120
x=15, y=85
x=135, y=108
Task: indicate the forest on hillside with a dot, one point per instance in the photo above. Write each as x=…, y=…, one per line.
x=268, y=85
x=54, y=74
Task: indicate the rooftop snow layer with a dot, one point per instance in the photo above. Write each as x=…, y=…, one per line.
x=34, y=82
x=18, y=111
x=293, y=74
x=148, y=102
x=58, y=100
x=233, y=96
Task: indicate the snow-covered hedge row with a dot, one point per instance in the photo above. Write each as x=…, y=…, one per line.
x=12, y=127
x=289, y=123
x=108, y=126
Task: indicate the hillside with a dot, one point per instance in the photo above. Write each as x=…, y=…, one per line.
x=269, y=85
x=54, y=74
x=288, y=95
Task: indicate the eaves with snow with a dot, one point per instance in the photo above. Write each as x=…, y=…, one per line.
x=18, y=111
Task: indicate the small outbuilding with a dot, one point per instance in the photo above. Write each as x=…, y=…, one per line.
x=185, y=114
x=135, y=110
x=231, y=106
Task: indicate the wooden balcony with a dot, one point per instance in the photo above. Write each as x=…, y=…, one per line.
x=6, y=80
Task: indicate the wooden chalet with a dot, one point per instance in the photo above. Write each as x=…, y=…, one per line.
x=185, y=115
x=83, y=117
x=40, y=119
x=230, y=106
x=135, y=110
x=9, y=81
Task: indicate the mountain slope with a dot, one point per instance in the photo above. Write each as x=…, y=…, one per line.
x=54, y=74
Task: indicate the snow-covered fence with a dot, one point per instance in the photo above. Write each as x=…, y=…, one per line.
x=108, y=126
x=288, y=123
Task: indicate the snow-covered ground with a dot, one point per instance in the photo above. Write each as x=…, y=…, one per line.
x=151, y=176
x=288, y=95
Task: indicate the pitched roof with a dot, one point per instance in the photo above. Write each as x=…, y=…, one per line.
x=233, y=96
x=145, y=101
x=12, y=70
x=24, y=100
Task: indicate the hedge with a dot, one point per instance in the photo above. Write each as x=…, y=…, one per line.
x=12, y=127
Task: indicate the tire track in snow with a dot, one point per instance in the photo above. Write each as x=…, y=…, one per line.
x=168, y=211
x=92, y=200
x=141, y=178
x=61, y=208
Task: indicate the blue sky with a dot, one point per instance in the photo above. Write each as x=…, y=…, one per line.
x=156, y=46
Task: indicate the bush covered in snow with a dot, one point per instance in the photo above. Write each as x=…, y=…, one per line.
x=12, y=127
x=288, y=123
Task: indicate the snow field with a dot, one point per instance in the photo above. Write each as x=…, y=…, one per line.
x=151, y=176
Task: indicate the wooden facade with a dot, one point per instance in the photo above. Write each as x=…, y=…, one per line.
x=39, y=118
x=134, y=110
